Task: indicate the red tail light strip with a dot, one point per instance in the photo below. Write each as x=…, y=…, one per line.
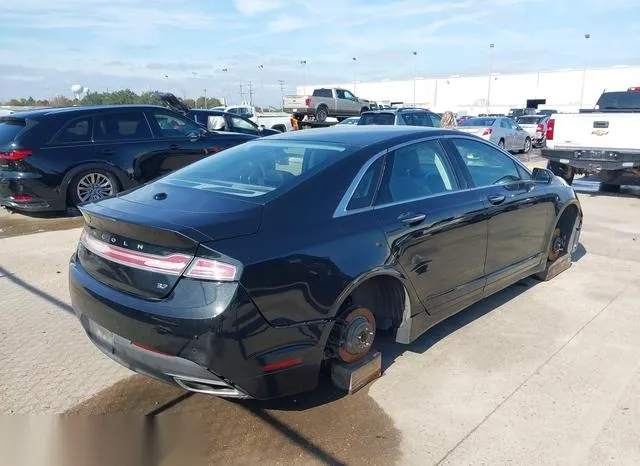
x=173, y=264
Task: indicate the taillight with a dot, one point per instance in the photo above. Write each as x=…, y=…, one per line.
x=173, y=264
x=550, y=127
x=208, y=269
x=307, y=102
x=487, y=132
x=540, y=128
x=20, y=197
x=15, y=154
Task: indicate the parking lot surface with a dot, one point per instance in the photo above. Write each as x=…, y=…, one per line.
x=541, y=373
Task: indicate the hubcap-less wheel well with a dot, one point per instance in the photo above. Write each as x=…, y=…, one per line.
x=562, y=233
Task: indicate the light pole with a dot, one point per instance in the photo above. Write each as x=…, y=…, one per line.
x=304, y=71
x=587, y=36
x=415, y=71
x=224, y=92
x=355, y=73
x=491, y=47
x=260, y=68
x=205, y=97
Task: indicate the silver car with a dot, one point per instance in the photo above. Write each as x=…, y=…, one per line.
x=502, y=131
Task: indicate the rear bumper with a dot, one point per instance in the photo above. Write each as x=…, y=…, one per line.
x=41, y=197
x=301, y=111
x=594, y=160
x=224, y=353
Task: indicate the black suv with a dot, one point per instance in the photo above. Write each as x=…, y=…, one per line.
x=401, y=117
x=54, y=158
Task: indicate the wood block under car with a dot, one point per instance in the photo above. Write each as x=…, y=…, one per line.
x=352, y=377
x=559, y=266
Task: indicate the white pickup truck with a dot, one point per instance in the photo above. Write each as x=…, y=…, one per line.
x=604, y=141
x=273, y=120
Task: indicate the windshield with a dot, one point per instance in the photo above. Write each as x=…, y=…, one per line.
x=478, y=122
x=377, y=119
x=530, y=120
x=619, y=100
x=258, y=168
x=9, y=129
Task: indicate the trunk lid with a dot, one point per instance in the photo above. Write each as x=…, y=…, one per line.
x=477, y=130
x=142, y=242
x=597, y=131
x=173, y=102
x=295, y=101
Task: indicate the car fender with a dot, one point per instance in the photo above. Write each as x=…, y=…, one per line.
x=123, y=178
x=378, y=271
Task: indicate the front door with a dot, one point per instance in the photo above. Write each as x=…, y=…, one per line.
x=519, y=211
x=179, y=144
x=437, y=231
x=240, y=125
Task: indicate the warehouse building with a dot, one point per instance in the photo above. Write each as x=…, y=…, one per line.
x=564, y=90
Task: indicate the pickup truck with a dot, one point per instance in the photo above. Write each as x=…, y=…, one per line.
x=604, y=141
x=324, y=103
x=279, y=121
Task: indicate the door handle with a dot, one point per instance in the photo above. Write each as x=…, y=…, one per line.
x=411, y=218
x=496, y=199
x=108, y=151
x=173, y=147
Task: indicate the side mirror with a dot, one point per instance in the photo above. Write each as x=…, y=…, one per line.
x=542, y=175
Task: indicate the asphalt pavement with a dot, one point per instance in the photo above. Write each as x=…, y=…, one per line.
x=541, y=373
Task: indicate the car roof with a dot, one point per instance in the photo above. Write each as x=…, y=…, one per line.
x=36, y=114
x=361, y=135
x=395, y=110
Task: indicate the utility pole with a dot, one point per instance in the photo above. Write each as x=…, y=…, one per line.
x=355, y=73
x=241, y=94
x=415, y=71
x=281, y=83
x=260, y=69
x=251, y=93
x=205, y=97
x=587, y=36
x=304, y=70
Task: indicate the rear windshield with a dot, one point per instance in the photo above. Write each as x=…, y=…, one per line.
x=530, y=120
x=478, y=122
x=10, y=128
x=619, y=100
x=377, y=119
x=258, y=168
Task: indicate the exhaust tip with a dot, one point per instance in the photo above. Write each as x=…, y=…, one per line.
x=209, y=387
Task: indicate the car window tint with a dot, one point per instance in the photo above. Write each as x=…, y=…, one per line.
x=487, y=165
x=76, y=131
x=349, y=95
x=366, y=189
x=239, y=123
x=121, y=126
x=10, y=128
x=340, y=94
x=416, y=171
x=174, y=126
x=377, y=119
x=435, y=120
x=504, y=124
x=259, y=168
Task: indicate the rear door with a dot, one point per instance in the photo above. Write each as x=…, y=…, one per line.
x=352, y=106
x=178, y=143
x=436, y=229
x=519, y=211
x=240, y=125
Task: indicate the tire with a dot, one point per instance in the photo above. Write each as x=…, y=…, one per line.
x=566, y=172
x=322, y=113
x=609, y=188
x=92, y=185
x=606, y=184
x=527, y=146
x=298, y=116
x=501, y=144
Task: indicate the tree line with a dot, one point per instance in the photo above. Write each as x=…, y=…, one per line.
x=120, y=97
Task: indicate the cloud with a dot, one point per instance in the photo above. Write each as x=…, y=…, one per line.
x=286, y=23
x=254, y=7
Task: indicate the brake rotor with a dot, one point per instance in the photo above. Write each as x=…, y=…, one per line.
x=355, y=335
x=558, y=245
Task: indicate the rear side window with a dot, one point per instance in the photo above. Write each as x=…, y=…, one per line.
x=121, y=126
x=76, y=131
x=366, y=189
x=169, y=125
x=487, y=165
x=417, y=119
x=435, y=120
x=9, y=129
x=377, y=119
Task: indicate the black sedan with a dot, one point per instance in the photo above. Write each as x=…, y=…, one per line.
x=54, y=158
x=243, y=273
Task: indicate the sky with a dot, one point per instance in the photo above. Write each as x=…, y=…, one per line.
x=184, y=47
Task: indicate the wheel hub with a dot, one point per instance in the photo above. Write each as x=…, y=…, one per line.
x=353, y=336
x=359, y=337
x=94, y=186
